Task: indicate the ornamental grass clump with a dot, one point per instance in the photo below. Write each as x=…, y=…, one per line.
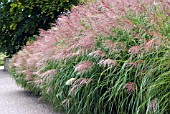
x=110, y=57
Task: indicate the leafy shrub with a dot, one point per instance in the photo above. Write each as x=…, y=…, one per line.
x=107, y=57
x=2, y=56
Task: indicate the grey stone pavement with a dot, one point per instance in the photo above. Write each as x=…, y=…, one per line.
x=15, y=100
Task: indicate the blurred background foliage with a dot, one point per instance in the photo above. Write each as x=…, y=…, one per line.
x=21, y=19
x=2, y=58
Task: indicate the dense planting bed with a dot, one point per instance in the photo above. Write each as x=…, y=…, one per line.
x=109, y=57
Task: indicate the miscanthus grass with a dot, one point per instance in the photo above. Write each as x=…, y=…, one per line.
x=102, y=60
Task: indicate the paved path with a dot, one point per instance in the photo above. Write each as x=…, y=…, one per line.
x=15, y=100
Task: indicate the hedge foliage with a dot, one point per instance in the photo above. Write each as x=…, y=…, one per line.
x=110, y=57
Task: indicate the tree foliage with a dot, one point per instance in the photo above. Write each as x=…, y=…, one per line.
x=21, y=19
